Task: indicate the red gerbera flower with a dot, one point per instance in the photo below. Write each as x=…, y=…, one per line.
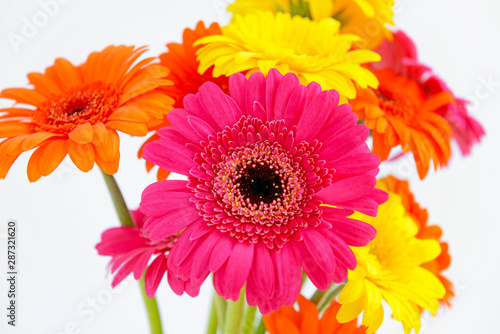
x=181, y=60
x=401, y=55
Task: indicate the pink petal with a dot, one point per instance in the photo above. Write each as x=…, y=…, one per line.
x=170, y=156
x=120, y=240
x=179, y=120
x=237, y=89
x=152, y=284
x=339, y=146
x=347, y=189
x=191, y=290
x=216, y=102
x=163, y=197
x=342, y=252
x=171, y=223
x=318, y=277
x=352, y=232
x=288, y=85
x=171, y=135
x=314, y=116
x=194, y=105
x=221, y=253
x=296, y=105
x=287, y=275
x=340, y=119
x=200, y=268
x=176, y=284
x=237, y=268
x=262, y=273
x=273, y=81
x=362, y=163
x=142, y=262
x=319, y=249
x=202, y=128
x=313, y=89
x=256, y=92
x=184, y=245
x=138, y=217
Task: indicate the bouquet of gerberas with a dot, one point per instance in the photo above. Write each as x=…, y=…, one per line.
x=278, y=122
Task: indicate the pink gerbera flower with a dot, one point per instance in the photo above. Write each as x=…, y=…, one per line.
x=401, y=55
x=131, y=250
x=261, y=163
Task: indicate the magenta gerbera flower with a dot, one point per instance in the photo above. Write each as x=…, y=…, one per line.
x=131, y=250
x=261, y=165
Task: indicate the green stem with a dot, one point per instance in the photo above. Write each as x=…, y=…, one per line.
x=333, y=294
x=212, y=321
x=151, y=309
x=118, y=201
x=126, y=220
x=220, y=308
x=234, y=312
x=318, y=296
x=261, y=329
x=249, y=320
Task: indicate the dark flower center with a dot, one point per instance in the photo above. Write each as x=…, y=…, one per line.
x=260, y=182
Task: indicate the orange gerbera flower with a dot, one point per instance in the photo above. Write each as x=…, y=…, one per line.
x=181, y=60
x=420, y=216
x=305, y=321
x=77, y=110
x=399, y=113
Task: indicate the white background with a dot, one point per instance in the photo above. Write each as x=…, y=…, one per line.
x=62, y=216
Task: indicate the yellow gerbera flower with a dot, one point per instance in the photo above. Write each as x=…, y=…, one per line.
x=314, y=51
x=368, y=19
x=390, y=268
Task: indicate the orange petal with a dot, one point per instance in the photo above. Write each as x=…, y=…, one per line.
x=379, y=147
x=373, y=111
x=82, y=155
x=45, y=159
x=100, y=134
x=11, y=129
x=129, y=113
x=44, y=84
x=132, y=73
x=110, y=151
x=108, y=167
x=15, y=112
x=82, y=134
x=6, y=160
x=15, y=144
x=142, y=87
x=36, y=139
x=284, y=325
x=6, y=163
x=67, y=73
x=133, y=129
x=310, y=314
x=23, y=95
x=162, y=174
